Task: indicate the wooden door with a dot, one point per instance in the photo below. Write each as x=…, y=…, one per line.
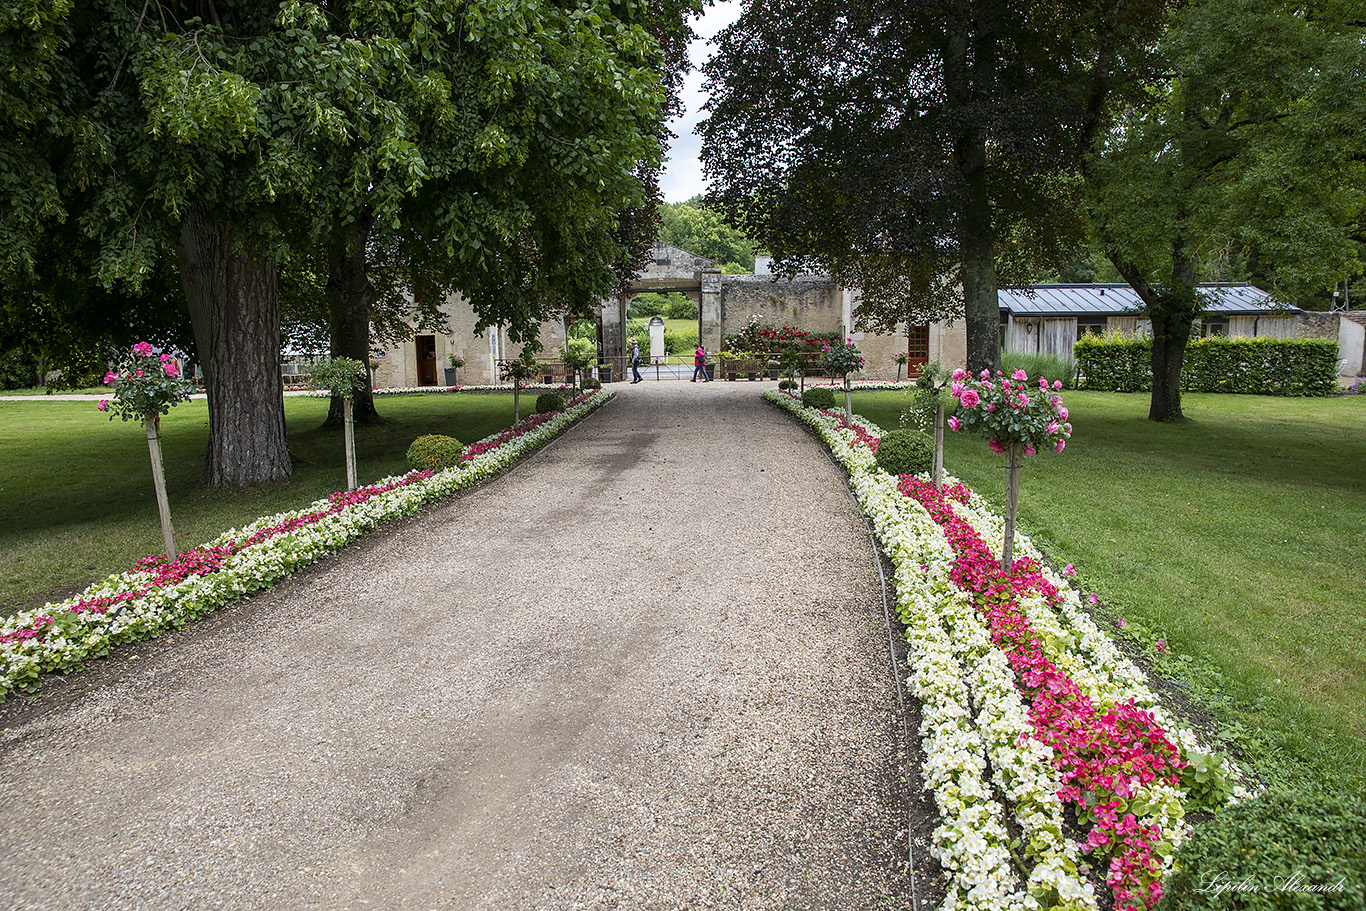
x=426, y=360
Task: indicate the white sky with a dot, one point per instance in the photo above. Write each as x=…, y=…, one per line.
x=682, y=177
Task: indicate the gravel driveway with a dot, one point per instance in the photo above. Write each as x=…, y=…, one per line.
x=646, y=669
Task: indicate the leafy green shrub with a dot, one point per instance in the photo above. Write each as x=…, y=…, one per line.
x=1251, y=366
x=547, y=402
x=679, y=307
x=680, y=342
x=787, y=384
x=1284, y=850
x=905, y=452
x=17, y=370
x=592, y=383
x=434, y=452
x=1036, y=365
x=819, y=397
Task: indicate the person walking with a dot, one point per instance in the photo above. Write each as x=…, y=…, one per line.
x=699, y=360
x=635, y=362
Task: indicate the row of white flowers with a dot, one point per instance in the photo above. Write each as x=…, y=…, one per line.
x=973, y=713
x=78, y=637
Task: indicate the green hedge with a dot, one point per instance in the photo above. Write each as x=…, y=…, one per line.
x=1252, y=366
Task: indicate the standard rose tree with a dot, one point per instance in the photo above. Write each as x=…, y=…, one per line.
x=1018, y=419
x=146, y=386
x=343, y=377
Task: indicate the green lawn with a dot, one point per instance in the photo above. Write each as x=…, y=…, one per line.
x=76, y=497
x=1238, y=537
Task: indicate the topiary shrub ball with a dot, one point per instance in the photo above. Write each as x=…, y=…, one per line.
x=547, y=402
x=592, y=383
x=905, y=452
x=1283, y=851
x=787, y=384
x=434, y=452
x=818, y=397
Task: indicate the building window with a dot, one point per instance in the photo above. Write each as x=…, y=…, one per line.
x=1090, y=327
x=1212, y=327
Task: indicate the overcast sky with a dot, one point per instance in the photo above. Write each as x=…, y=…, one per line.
x=682, y=177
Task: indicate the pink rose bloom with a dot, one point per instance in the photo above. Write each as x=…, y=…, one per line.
x=1030, y=450
x=986, y=374
x=996, y=447
x=103, y=405
x=1019, y=376
x=1067, y=428
x=991, y=406
x=1062, y=412
x=142, y=348
x=1052, y=428
x=953, y=424
x=960, y=374
x=970, y=398
x=109, y=378
x=1043, y=383
x=1057, y=384
x=1024, y=400
x=1060, y=446
x=171, y=368
x=1005, y=384
x=956, y=389
x=1069, y=570
x=139, y=373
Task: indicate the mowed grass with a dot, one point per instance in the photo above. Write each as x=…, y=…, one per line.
x=76, y=497
x=1238, y=537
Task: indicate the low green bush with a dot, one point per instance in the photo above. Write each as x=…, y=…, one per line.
x=787, y=384
x=819, y=397
x=905, y=452
x=547, y=402
x=591, y=382
x=433, y=452
x=1250, y=366
x=1287, y=851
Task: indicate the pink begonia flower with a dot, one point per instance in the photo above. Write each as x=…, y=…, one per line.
x=1057, y=384
x=1069, y=570
x=103, y=405
x=1019, y=376
x=959, y=374
x=1030, y=450
x=142, y=348
x=171, y=369
x=109, y=378
x=1121, y=623
x=970, y=398
x=1092, y=598
x=996, y=447
x=953, y=424
x=1060, y=446
x=1160, y=645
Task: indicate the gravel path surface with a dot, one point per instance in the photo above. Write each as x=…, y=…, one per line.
x=645, y=669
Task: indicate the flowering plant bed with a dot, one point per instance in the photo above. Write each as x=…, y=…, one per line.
x=156, y=595
x=1028, y=708
x=439, y=390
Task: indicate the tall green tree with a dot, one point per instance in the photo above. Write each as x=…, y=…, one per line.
x=500, y=138
x=916, y=147
x=1255, y=142
x=697, y=229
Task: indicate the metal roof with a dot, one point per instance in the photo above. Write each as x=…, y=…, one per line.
x=1239, y=299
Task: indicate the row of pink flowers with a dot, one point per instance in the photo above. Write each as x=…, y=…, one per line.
x=1103, y=756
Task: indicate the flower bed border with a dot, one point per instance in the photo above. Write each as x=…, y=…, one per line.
x=152, y=598
x=943, y=627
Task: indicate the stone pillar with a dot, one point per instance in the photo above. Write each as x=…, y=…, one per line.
x=709, y=323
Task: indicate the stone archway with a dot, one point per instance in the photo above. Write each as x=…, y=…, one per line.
x=671, y=270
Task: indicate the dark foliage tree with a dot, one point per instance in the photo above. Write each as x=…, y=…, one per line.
x=914, y=148
x=1254, y=144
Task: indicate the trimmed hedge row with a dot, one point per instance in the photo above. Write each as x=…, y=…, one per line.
x=1251, y=366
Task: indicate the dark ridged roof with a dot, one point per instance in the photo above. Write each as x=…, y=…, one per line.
x=1120, y=300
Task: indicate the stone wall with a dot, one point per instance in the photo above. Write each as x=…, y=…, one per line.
x=813, y=304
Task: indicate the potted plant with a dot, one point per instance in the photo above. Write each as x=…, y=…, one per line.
x=456, y=362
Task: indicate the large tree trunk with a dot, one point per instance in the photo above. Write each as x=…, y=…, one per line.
x=969, y=64
x=235, y=311
x=349, y=298
x=1172, y=320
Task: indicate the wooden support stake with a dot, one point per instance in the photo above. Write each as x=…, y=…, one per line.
x=939, y=445
x=349, y=423
x=1014, y=459
x=153, y=427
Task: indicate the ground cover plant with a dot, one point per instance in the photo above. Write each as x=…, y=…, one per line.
x=1229, y=551
x=76, y=502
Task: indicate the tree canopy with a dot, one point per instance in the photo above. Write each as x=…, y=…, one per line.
x=693, y=227
x=915, y=148
x=1253, y=147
